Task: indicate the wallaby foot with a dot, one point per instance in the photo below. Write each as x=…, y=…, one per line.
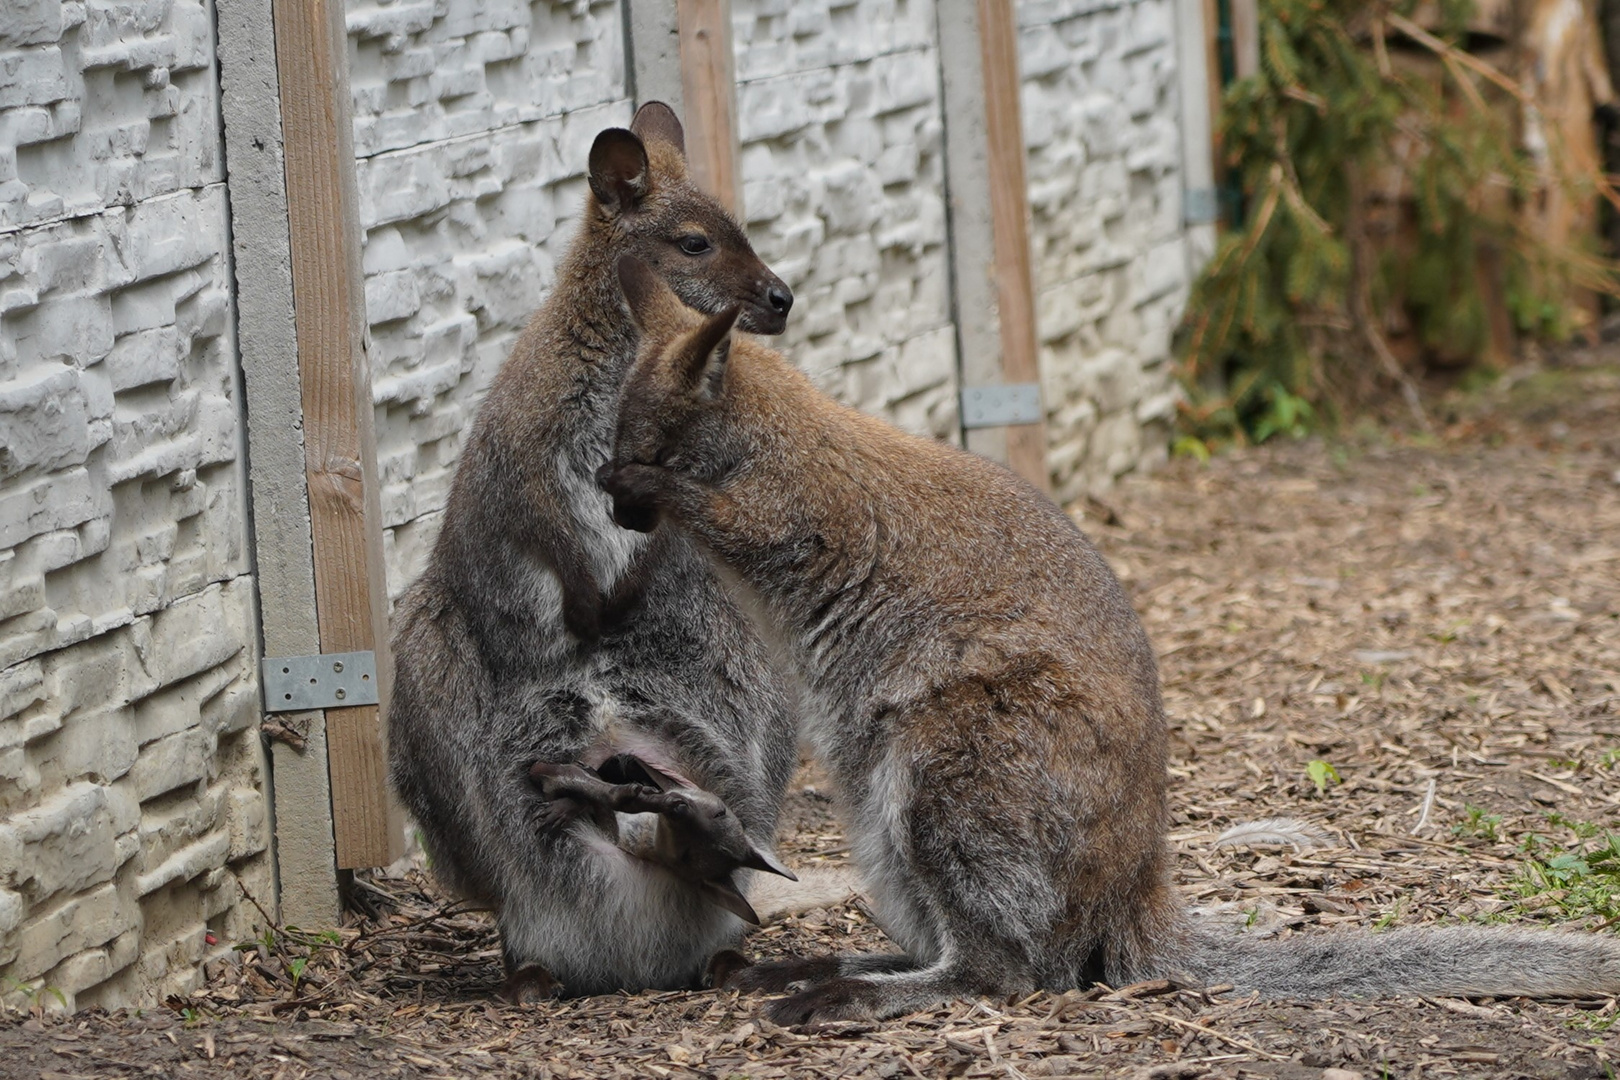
x=723, y=966
x=831, y=1000
x=855, y=997
x=530, y=985
x=779, y=975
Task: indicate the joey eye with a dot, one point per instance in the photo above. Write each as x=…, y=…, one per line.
x=693, y=244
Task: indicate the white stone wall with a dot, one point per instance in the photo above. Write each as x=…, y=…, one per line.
x=840, y=126
x=1105, y=191
x=131, y=774
x=473, y=120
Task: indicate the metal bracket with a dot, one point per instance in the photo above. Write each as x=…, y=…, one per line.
x=1200, y=206
x=327, y=681
x=999, y=406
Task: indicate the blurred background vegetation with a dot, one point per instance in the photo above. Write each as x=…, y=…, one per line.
x=1415, y=195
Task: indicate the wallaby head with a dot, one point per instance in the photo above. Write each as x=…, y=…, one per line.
x=669, y=409
x=645, y=206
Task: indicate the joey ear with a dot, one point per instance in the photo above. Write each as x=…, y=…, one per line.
x=657, y=121
x=760, y=859
x=619, y=174
x=644, y=290
x=707, y=352
x=726, y=894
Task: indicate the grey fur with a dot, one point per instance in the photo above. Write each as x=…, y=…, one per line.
x=537, y=622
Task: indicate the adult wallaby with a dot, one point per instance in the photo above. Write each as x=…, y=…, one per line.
x=537, y=620
x=983, y=696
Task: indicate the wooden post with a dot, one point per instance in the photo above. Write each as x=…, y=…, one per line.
x=307, y=892
x=680, y=54
x=1246, y=37
x=340, y=455
x=710, y=92
x=989, y=222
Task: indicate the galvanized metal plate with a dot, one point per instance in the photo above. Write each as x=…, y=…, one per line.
x=328, y=681
x=998, y=406
x=1200, y=206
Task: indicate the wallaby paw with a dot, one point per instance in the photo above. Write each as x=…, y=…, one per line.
x=530, y=985
x=780, y=975
x=635, y=489
x=723, y=967
x=833, y=1000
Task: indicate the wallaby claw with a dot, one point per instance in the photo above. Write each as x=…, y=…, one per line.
x=556, y=813
x=836, y=999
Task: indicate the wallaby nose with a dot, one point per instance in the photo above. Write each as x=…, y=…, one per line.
x=781, y=300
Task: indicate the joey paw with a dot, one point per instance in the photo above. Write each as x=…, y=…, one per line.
x=556, y=813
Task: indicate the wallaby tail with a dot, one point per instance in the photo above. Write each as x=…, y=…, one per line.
x=1451, y=961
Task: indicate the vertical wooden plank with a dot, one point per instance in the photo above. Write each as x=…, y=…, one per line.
x=339, y=446
x=1009, y=217
x=1246, y=37
x=709, y=92
x=1217, y=89
x=307, y=892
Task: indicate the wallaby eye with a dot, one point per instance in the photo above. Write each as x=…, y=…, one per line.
x=693, y=244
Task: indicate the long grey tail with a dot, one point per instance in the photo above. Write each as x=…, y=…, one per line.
x=1453, y=961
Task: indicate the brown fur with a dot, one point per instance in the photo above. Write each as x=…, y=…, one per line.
x=981, y=692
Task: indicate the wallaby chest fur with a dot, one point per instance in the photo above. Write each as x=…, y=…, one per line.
x=537, y=622
x=983, y=695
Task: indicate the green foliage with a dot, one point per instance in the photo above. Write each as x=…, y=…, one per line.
x=1578, y=880
x=1284, y=327
x=1479, y=826
x=1321, y=773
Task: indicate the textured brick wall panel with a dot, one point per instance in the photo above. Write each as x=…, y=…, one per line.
x=424, y=72
x=843, y=186
x=103, y=104
x=1100, y=124
x=130, y=765
x=473, y=120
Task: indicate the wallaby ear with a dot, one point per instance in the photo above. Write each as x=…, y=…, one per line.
x=707, y=352
x=644, y=290
x=620, y=176
x=656, y=121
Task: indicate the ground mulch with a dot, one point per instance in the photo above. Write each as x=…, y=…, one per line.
x=1435, y=619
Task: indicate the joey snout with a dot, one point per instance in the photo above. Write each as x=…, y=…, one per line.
x=634, y=489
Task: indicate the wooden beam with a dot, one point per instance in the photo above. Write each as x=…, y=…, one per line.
x=993, y=295
x=1217, y=88
x=1009, y=214
x=1246, y=37
x=709, y=92
x=307, y=889
x=339, y=445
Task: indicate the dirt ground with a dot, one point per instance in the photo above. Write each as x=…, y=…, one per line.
x=1435, y=621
